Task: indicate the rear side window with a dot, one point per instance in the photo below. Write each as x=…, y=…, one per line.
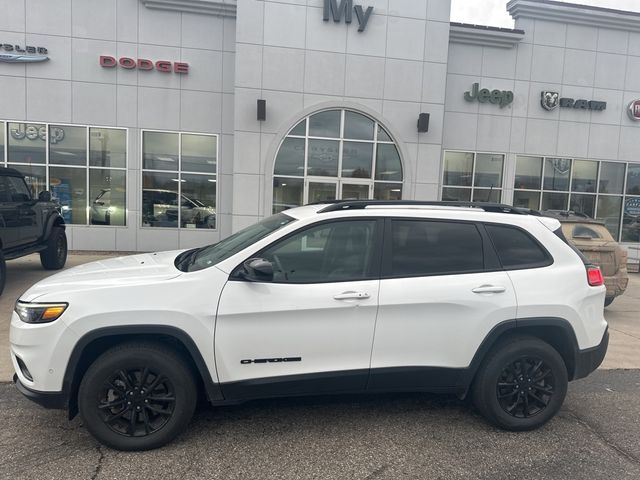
x=516, y=248
x=421, y=248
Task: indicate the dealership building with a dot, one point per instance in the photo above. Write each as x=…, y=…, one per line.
x=165, y=124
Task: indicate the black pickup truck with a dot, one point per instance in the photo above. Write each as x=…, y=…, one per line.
x=29, y=225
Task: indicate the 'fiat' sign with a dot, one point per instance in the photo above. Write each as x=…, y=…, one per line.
x=634, y=110
x=144, y=64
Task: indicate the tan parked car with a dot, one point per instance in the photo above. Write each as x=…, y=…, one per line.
x=596, y=243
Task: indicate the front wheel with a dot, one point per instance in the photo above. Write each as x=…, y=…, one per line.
x=55, y=255
x=521, y=384
x=137, y=396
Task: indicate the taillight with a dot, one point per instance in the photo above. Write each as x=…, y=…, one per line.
x=594, y=276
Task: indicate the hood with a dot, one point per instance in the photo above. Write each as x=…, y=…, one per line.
x=132, y=270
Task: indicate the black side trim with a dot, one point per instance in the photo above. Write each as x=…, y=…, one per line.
x=70, y=383
x=422, y=379
x=297, y=385
x=46, y=399
x=589, y=359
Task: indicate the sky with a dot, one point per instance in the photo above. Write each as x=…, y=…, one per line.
x=494, y=12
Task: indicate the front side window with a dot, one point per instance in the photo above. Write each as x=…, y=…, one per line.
x=18, y=191
x=331, y=252
x=336, y=154
x=179, y=179
x=517, y=249
x=76, y=163
x=472, y=177
x=421, y=248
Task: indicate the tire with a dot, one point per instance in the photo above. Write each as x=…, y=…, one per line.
x=158, y=414
x=499, y=376
x=55, y=255
x=3, y=272
x=608, y=301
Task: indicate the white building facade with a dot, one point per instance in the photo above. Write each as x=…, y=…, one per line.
x=165, y=124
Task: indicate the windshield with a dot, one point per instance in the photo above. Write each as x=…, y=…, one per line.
x=208, y=256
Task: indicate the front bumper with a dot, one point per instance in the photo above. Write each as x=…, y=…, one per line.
x=589, y=359
x=56, y=400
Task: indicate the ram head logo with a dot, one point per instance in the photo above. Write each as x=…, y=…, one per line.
x=549, y=100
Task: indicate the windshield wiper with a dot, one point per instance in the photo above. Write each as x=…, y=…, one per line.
x=187, y=256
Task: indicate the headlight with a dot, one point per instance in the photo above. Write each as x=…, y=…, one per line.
x=40, y=312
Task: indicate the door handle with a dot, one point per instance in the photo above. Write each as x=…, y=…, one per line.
x=489, y=289
x=351, y=296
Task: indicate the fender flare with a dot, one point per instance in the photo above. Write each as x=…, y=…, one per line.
x=70, y=383
x=51, y=222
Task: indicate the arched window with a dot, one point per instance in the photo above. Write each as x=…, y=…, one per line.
x=336, y=154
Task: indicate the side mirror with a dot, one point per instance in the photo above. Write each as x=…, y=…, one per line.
x=44, y=196
x=258, y=270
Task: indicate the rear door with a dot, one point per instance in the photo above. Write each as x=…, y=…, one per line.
x=441, y=293
x=310, y=330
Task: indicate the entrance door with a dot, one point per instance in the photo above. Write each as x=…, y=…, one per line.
x=310, y=330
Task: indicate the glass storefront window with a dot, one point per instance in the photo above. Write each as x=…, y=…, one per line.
x=556, y=174
x=287, y=193
x=633, y=180
x=35, y=176
x=356, y=156
x=611, y=177
x=66, y=160
x=585, y=173
x=631, y=220
x=554, y=201
x=198, y=153
x=387, y=191
x=480, y=172
x=583, y=204
x=528, y=173
x=2, y=141
x=198, y=201
x=526, y=199
x=107, y=147
x=186, y=196
x=357, y=126
x=107, y=197
x=488, y=171
x=160, y=151
x=68, y=186
x=323, y=158
x=609, y=211
x=67, y=145
x=26, y=143
x=325, y=124
x=290, y=159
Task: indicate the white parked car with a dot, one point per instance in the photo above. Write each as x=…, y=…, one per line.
x=357, y=296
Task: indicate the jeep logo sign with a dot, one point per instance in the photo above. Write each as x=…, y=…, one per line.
x=499, y=97
x=335, y=11
x=634, y=110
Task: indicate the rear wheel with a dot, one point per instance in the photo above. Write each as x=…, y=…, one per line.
x=521, y=384
x=3, y=272
x=55, y=255
x=608, y=301
x=137, y=396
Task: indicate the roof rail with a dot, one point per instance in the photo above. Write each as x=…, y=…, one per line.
x=339, y=205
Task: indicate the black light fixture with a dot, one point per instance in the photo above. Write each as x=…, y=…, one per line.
x=423, y=122
x=262, y=110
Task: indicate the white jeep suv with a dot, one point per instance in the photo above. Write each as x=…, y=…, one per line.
x=356, y=296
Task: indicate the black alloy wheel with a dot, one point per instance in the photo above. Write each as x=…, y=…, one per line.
x=521, y=384
x=55, y=255
x=137, y=396
x=525, y=387
x=136, y=402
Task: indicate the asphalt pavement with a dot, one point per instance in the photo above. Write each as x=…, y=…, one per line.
x=595, y=436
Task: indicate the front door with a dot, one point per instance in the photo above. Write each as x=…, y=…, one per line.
x=310, y=330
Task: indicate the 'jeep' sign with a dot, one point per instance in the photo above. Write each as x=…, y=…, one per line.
x=346, y=9
x=499, y=97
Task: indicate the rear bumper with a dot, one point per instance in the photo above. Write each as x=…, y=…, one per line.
x=56, y=400
x=589, y=359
